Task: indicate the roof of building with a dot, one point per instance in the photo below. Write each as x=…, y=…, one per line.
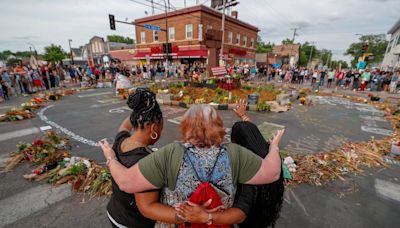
x=395, y=27
x=196, y=8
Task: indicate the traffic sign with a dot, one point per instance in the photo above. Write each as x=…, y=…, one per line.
x=361, y=65
x=152, y=27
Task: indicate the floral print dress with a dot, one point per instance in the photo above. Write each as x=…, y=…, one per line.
x=203, y=160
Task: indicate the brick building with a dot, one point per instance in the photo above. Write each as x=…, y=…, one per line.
x=186, y=30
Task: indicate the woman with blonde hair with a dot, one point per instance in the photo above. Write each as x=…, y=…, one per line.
x=201, y=163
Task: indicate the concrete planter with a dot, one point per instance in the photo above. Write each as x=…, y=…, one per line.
x=223, y=107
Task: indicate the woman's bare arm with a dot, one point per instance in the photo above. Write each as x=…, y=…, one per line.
x=270, y=169
x=149, y=206
x=194, y=213
x=124, y=176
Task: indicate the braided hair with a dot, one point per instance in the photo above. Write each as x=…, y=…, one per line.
x=266, y=199
x=145, y=108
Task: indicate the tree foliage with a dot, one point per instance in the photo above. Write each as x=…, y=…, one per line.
x=120, y=39
x=54, y=53
x=376, y=46
x=306, y=50
x=287, y=41
x=4, y=55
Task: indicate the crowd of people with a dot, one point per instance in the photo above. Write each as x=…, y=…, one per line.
x=357, y=80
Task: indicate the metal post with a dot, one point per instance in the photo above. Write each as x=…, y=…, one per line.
x=309, y=59
x=221, y=56
x=70, y=51
x=166, y=34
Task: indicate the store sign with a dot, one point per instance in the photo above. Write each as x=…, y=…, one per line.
x=237, y=51
x=159, y=50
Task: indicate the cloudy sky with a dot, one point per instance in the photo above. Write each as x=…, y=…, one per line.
x=331, y=24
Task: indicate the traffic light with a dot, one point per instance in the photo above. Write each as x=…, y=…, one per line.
x=364, y=48
x=112, y=21
x=165, y=48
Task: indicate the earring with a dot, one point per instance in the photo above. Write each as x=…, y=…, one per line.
x=154, y=135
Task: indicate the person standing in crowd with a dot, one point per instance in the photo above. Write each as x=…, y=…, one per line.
x=6, y=77
x=394, y=81
x=37, y=80
x=144, y=69
x=20, y=78
x=5, y=89
x=347, y=79
x=331, y=75
x=366, y=76
x=387, y=81
x=322, y=77
x=73, y=74
x=44, y=70
x=373, y=81
x=52, y=77
x=356, y=80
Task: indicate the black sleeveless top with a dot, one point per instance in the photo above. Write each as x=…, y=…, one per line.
x=122, y=206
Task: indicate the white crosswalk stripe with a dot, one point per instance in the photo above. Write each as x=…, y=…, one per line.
x=18, y=133
x=30, y=201
x=94, y=94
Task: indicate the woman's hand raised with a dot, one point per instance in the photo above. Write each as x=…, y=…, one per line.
x=277, y=138
x=107, y=150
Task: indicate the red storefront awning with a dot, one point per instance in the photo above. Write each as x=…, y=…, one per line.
x=181, y=54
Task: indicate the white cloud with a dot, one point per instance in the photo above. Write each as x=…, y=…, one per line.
x=330, y=23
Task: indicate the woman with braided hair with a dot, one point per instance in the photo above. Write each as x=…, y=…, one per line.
x=141, y=129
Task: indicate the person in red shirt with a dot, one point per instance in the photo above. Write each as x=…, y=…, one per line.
x=339, y=78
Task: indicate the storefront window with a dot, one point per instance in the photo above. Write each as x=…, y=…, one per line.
x=230, y=37
x=189, y=31
x=143, y=37
x=155, y=36
x=238, y=39
x=245, y=41
x=200, y=32
x=171, y=33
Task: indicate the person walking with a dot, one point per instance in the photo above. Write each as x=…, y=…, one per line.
x=394, y=81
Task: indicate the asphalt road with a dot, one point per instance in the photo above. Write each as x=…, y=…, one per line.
x=371, y=199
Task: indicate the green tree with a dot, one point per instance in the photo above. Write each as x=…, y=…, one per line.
x=12, y=62
x=23, y=54
x=120, y=39
x=54, y=53
x=5, y=54
x=306, y=50
x=376, y=46
x=287, y=41
x=324, y=56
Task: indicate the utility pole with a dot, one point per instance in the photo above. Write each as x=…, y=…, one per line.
x=70, y=51
x=221, y=55
x=291, y=46
x=152, y=7
x=166, y=34
x=309, y=60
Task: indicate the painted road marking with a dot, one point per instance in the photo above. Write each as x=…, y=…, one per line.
x=94, y=94
x=176, y=120
x=64, y=130
x=119, y=110
x=387, y=190
x=18, y=133
x=6, y=107
x=375, y=118
x=30, y=201
x=106, y=104
x=378, y=131
x=108, y=100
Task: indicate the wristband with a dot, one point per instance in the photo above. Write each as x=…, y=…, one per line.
x=109, y=160
x=209, y=220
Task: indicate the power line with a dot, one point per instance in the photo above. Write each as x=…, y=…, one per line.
x=280, y=16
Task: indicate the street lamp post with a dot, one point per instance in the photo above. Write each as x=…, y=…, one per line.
x=70, y=51
x=221, y=55
x=166, y=34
